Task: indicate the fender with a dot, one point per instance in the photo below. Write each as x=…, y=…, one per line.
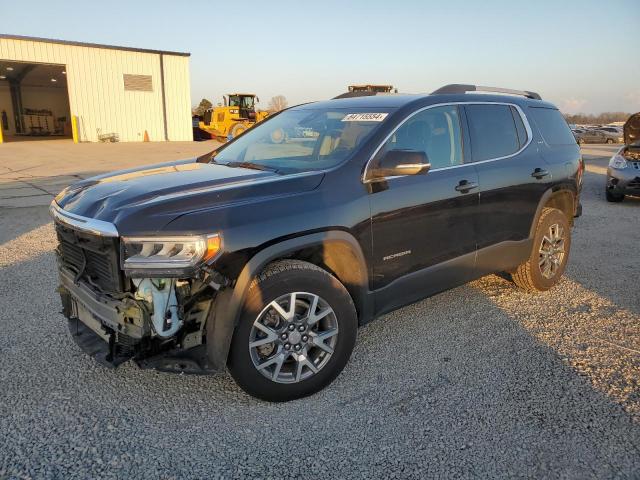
x=225, y=315
x=548, y=197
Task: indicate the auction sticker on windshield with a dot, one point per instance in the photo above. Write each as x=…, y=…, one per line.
x=364, y=117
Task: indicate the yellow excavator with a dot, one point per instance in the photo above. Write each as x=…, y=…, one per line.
x=238, y=113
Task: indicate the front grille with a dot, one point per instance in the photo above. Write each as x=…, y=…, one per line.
x=91, y=258
x=635, y=165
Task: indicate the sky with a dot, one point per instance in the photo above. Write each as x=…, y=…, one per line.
x=581, y=55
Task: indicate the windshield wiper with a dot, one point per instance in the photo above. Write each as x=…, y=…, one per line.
x=253, y=166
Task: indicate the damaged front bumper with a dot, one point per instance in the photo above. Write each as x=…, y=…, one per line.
x=621, y=182
x=115, y=330
x=623, y=173
x=624, y=181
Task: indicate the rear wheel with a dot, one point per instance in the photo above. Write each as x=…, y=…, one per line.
x=549, y=255
x=609, y=140
x=296, y=333
x=612, y=197
x=580, y=141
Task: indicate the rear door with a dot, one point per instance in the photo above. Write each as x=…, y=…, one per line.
x=513, y=175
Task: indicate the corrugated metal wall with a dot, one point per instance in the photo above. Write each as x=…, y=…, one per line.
x=177, y=97
x=96, y=89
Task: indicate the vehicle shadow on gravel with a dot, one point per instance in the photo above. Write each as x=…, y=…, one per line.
x=465, y=383
x=24, y=202
x=22, y=222
x=597, y=338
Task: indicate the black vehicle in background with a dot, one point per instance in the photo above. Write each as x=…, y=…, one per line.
x=265, y=255
x=623, y=174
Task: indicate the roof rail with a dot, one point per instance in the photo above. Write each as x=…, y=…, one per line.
x=461, y=88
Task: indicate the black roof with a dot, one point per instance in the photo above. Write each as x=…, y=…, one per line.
x=91, y=45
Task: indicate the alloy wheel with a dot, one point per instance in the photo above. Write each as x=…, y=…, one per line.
x=551, y=251
x=293, y=337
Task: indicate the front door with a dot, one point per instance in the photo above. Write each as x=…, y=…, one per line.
x=423, y=231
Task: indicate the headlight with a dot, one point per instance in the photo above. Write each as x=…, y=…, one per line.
x=169, y=253
x=618, y=162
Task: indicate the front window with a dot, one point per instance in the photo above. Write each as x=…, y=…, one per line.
x=300, y=140
x=434, y=131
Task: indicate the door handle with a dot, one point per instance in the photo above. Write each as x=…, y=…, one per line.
x=464, y=186
x=539, y=173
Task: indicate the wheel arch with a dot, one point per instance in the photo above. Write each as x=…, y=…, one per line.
x=564, y=199
x=336, y=251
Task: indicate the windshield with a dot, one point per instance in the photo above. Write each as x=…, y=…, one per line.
x=302, y=140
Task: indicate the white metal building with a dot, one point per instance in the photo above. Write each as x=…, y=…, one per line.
x=113, y=92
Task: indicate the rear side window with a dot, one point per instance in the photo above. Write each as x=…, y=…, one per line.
x=522, y=132
x=492, y=130
x=552, y=126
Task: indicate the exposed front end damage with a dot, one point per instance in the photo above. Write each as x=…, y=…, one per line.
x=159, y=322
x=114, y=331
x=623, y=173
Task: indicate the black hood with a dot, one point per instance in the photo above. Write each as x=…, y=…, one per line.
x=143, y=200
x=632, y=130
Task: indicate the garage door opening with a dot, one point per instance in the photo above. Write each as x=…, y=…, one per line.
x=34, y=101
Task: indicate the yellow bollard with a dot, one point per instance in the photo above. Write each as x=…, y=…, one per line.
x=0, y=133
x=74, y=128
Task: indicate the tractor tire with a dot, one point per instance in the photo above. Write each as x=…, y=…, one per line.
x=237, y=129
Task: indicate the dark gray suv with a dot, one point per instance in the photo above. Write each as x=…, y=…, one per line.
x=265, y=255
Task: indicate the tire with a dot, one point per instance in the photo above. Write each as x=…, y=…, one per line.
x=581, y=142
x=283, y=380
x=609, y=141
x=237, y=129
x=534, y=275
x=612, y=197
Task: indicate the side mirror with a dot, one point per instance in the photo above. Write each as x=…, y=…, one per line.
x=400, y=162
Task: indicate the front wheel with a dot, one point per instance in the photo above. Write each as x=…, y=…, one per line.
x=548, y=259
x=296, y=332
x=609, y=140
x=612, y=197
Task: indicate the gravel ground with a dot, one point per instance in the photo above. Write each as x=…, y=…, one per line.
x=481, y=381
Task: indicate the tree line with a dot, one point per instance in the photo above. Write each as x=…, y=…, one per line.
x=601, y=119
